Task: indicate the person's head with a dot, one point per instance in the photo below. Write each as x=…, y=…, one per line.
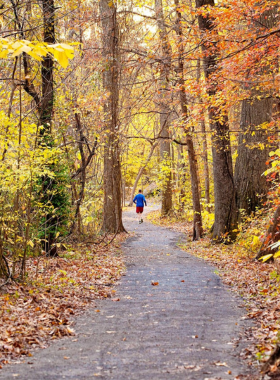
x=140, y=191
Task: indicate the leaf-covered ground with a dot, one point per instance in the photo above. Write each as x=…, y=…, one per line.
x=41, y=309
x=258, y=283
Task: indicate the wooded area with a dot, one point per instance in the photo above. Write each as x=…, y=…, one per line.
x=175, y=78
x=98, y=98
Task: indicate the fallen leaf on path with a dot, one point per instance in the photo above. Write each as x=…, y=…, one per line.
x=219, y=364
x=154, y=283
x=258, y=283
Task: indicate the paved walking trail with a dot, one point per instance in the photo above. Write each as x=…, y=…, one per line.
x=183, y=328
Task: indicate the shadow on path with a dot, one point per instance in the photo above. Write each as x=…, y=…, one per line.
x=183, y=328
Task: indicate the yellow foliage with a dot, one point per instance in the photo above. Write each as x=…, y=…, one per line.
x=208, y=219
x=266, y=257
x=255, y=243
x=37, y=50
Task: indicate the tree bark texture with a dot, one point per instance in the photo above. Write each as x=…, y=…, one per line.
x=254, y=146
x=45, y=119
x=224, y=188
x=47, y=99
x=251, y=184
x=197, y=219
x=204, y=148
x=4, y=267
x=181, y=177
x=112, y=209
x=165, y=111
x=205, y=165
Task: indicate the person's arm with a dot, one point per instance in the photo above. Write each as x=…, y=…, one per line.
x=134, y=200
x=145, y=201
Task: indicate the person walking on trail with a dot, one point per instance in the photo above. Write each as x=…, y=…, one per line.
x=140, y=200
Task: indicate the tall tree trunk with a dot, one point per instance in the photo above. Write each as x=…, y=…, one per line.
x=47, y=99
x=224, y=189
x=205, y=165
x=112, y=209
x=181, y=177
x=140, y=172
x=253, y=152
x=45, y=120
x=165, y=112
x=4, y=267
x=197, y=219
x=204, y=147
x=254, y=146
x=81, y=172
x=45, y=102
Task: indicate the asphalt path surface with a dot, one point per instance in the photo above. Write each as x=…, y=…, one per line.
x=174, y=320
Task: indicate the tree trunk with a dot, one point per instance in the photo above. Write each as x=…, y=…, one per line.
x=181, y=177
x=204, y=148
x=165, y=112
x=205, y=165
x=81, y=172
x=224, y=188
x=254, y=146
x=45, y=102
x=197, y=219
x=253, y=152
x=272, y=236
x=45, y=121
x=140, y=172
x=112, y=209
x=4, y=267
x=47, y=99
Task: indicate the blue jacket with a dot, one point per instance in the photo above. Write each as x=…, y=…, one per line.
x=139, y=199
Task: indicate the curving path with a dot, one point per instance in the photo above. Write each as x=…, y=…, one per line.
x=183, y=328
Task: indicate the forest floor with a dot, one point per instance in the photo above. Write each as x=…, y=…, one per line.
x=171, y=318
x=40, y=310
x=257, y=283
